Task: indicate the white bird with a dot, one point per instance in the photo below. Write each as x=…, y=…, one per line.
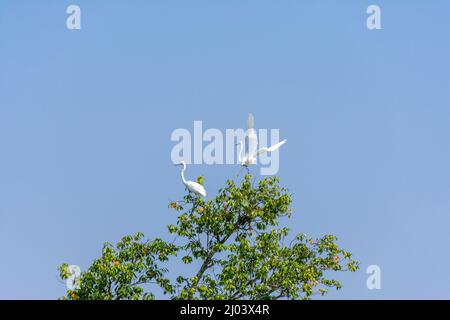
x=192, y=186
x=251, y=146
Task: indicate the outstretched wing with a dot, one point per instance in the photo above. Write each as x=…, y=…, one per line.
x=272, y=148
x=251, y=138
x=250, y=121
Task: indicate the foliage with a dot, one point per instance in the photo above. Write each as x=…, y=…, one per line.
x=235, y=241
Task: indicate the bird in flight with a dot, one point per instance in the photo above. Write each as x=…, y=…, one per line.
x=251, y=145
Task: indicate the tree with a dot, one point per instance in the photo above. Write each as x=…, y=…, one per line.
x=235, y=241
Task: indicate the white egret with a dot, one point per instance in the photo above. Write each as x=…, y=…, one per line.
x=251, y=146
x=192, y=186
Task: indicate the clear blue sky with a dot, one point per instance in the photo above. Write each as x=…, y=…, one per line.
x=86, y=118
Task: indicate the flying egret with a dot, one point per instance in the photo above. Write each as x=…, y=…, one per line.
x=192, y=186
x=251, y=147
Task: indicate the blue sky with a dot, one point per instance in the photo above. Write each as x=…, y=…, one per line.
x=86, y=118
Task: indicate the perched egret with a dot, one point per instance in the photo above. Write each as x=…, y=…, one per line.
x=251, y=147
x=192, y=186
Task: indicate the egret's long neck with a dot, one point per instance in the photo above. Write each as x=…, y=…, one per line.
x=182, y=174
x=241, y=148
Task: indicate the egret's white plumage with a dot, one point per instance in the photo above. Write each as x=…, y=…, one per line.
x=192, y=186
x=251, y=145
x=272, y=148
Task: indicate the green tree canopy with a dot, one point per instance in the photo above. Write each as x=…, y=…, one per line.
x=235, y=244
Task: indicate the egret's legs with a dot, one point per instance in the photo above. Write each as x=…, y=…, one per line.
x=239, y=173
